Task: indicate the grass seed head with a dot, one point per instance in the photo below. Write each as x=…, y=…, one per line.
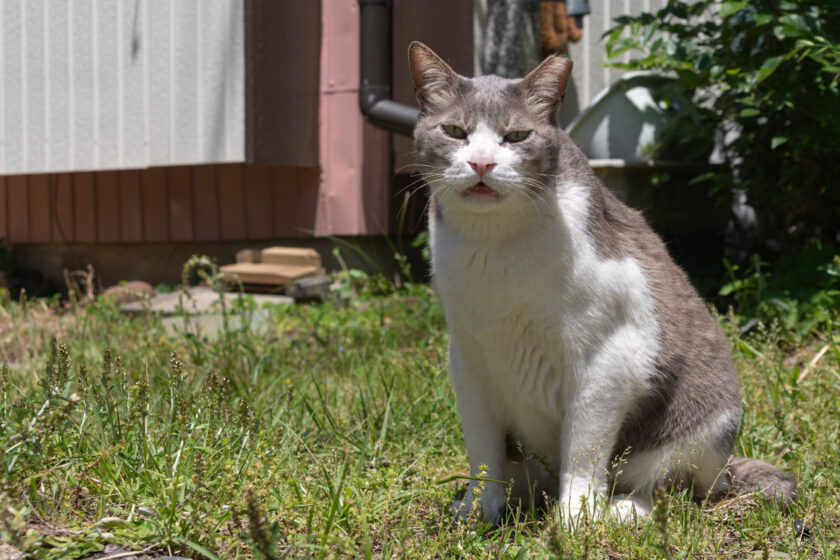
x=106, y=366
x=4, y=390
x=264, y=546
x=246, y=415
x=176, y=370
x=82, y=381
x=660, y=518
x=62, y=370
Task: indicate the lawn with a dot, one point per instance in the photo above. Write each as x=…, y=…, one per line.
x=334, y=432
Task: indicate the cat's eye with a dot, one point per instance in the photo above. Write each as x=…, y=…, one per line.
x=517, y=136
x=454, y=131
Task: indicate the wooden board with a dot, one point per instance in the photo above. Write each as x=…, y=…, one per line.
x=291, y=256
x=249, y=256
x=272, y=274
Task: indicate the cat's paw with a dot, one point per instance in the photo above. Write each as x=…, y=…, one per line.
x=628, y=509
x=461, y=509
x=491, y=508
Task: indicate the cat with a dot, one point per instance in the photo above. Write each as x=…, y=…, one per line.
x=584, y=362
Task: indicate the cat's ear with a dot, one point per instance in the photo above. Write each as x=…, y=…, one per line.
x=545, y=86
x=435, y=83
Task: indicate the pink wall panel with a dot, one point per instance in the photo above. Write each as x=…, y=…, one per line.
x=343, y=152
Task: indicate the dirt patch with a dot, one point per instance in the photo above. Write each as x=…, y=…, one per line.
x=24, y=332
x=8, y=552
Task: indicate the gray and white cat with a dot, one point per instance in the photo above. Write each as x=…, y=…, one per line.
x=575, y=339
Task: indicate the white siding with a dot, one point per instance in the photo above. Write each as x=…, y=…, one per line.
x=589, y=54
x=109, y=84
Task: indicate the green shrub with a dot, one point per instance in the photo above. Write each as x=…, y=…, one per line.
x=767, y=71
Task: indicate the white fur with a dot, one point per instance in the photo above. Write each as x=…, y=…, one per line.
x=548, y=341
x=696, y=458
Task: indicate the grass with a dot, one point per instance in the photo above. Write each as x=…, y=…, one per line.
x=335, y=433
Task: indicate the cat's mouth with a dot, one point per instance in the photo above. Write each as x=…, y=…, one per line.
x=480, y=190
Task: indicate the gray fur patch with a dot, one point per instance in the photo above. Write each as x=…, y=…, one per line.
x=755, y=476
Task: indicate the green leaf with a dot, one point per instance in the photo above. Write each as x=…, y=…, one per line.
x=772, y=63
x=702, y=177
x=729, y=8
x=762, y=19
x=777, y=141
x=792, y=26
x=749, y=112
x=201, y=550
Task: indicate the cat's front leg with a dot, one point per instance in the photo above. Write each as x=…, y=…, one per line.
x=589, y=433
x=484, y=436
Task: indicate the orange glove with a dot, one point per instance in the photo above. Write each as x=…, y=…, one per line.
x=556, y=28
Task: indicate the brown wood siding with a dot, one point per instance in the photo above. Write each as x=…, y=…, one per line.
x=4, y=219
x=130, y=207
x=282, y=81
x=18, y=210
x=62, y=225
x=84, y=194
x=450, y=36
x=107, y=198
x=180, y=194
x=206, y=203
x=227, y=202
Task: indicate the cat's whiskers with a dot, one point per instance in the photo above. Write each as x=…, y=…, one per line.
x=411, y=165
x=421, y=181
x=535, y=191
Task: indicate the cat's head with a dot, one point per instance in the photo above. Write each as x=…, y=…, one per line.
x=487, y=143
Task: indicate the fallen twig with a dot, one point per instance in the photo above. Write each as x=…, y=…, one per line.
x=814, y=361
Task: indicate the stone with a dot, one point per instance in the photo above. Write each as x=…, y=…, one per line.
x=800, y=530
x=197, y=300
x=136, y=290
x=8, y=552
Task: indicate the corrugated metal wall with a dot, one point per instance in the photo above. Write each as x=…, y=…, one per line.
x=106, y=84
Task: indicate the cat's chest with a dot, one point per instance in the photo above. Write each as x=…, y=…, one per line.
x=543, y=297
x=493, y=288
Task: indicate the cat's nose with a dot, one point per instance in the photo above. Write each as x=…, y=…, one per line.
x=482, y=168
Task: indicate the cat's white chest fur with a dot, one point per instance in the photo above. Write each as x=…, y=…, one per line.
x=542, y=329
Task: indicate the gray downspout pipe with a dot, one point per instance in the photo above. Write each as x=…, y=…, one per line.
x=375, y=84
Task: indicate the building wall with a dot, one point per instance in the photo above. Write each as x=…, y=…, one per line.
x=308, y=163
x=354, y=193
x=105, y=84
x=223, y=202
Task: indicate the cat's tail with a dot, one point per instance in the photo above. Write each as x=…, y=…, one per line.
x=754, y=476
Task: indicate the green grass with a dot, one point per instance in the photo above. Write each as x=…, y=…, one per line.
x=335, y=433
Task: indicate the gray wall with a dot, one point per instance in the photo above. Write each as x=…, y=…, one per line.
x=105, y=84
